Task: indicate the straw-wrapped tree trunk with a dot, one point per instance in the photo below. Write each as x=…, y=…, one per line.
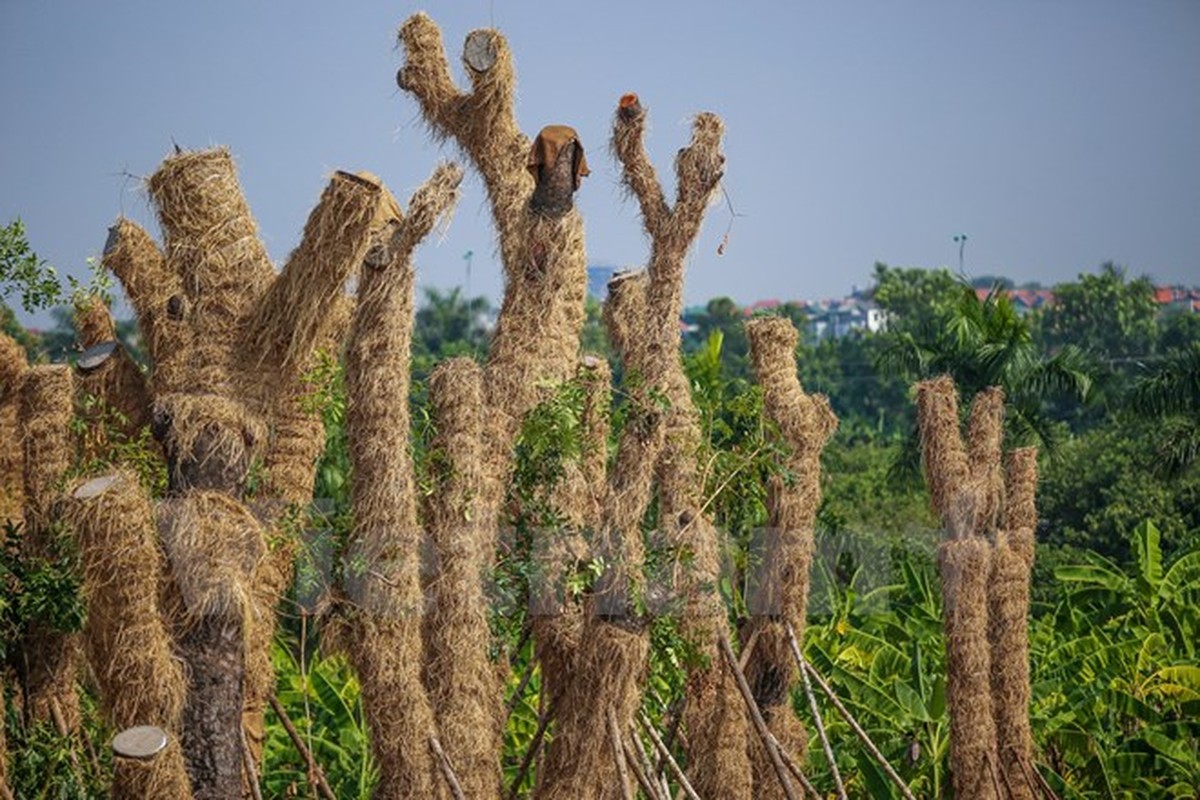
x=383, y=602
x=1008, y=622
x=46, y=405
x=987, y=509
x=126, y=638
x=530, y=185
x=714, y=716
x=458, y=672
x=781, y=566
x=223, y=332
x=13, y=364
x=642, y=315
x=611, y=661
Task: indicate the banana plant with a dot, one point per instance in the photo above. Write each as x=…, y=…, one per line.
x=1116, y=686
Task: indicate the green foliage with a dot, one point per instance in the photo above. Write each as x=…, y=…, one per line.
x=1170, y=396
x=1116, y=686
x=915, y=297
x=1115, y=682
x=105, y=443
x=322, y=698
x=860, y=498
x=49, y=766
x=38, y=591
x=1103, y=483
x=22, y=271
x=1104, y=312
x=871, y=404
x=881, y=649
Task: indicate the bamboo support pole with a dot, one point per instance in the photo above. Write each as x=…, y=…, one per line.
x=820, y=725
x=447, y=769
x=808, y=668
x=315, y=774
x=618, y=751
x=664, y=753
x=772, y=747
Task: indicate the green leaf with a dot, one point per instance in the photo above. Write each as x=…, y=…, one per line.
x=1146, y=541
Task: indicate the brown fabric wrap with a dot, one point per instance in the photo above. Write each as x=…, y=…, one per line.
x=549, y=141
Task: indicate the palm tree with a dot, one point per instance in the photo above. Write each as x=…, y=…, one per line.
x=983, y=342
x=448, y=324
x=1170, y=395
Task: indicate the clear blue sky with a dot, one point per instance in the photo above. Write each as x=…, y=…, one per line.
x=1056, y=133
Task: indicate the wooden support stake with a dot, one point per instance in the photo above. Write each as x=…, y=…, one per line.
x=809, y=669
x=614, y=736
x=635, y=754
x=820, y=724
x=772, y=746
x=248, y=765
x=447, y=769
x=795, y=770
x=748, y=649
x=60, y=724
x=671, y=762
x=1046, y=788
x=315, y=774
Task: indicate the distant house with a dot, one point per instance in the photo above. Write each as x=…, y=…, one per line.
x=1175, y=299
x=833, y=319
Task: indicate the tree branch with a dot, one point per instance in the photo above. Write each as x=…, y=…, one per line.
x=637, y=173
x=292, y=313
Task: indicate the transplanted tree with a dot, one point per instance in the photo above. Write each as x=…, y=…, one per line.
x=982, y=343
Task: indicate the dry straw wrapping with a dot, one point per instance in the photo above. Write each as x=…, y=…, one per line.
x=160, y=778
x=942, y=452
x=127, y=644
x=580, y=762
x=117, y=381
x=1020, y=506
x=93, y=322
x=212, y=245
x=964, y=565
x=214, y=545
x=595, y=376
x=459, y=675
x=535, y=343
x=156, y=294
x=613, y=649
x=985, y=436
x=45, y=409
x=715, y=715
x=130, y=650
x=805, y=424
x=386, y=622
x=1008, y=623
x=292, y=317
x=13, y=365
x=1008, y=633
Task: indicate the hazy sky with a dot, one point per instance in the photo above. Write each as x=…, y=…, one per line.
x=1056, y=133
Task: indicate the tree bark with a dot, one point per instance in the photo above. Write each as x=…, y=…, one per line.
x=214, y=648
